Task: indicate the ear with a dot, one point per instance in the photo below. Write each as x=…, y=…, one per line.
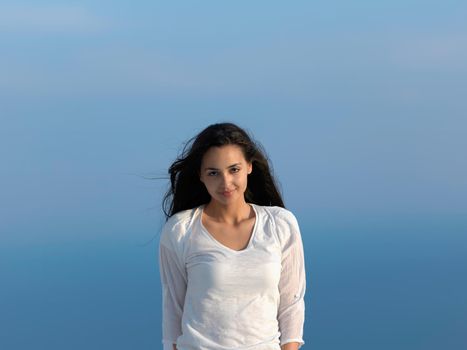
x=250, y=168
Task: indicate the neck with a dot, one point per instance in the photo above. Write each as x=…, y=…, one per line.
x=229, y=214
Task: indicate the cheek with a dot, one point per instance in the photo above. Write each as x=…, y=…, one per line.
x=209, y=183
x=243, y=182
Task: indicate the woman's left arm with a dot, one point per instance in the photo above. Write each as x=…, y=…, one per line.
x=292, y=284
x=290, y=346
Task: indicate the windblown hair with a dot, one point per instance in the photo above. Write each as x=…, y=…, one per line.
x=187, y=191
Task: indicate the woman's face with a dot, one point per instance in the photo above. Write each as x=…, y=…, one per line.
x=224, y=172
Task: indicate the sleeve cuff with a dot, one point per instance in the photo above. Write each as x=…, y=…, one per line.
x=292, y=340
x=168, y=344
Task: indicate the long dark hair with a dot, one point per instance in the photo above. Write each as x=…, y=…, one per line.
x=187, y=191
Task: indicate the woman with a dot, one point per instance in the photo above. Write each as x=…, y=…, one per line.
x=231, y=256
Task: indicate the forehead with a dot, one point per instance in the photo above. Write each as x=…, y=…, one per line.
x=224, y=154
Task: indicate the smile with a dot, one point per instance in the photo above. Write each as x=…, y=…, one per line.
x=227, y=193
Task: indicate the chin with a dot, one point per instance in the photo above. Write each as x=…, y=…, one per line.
x=222, y=199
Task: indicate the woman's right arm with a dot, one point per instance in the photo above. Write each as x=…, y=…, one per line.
x=174, y=282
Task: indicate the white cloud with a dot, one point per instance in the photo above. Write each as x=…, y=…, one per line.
x=321, y=69
x=445, y=52
x=49, y=19
x=110, y=69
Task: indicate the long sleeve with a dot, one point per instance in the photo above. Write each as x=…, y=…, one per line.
x=292, y=284
x=174, y=281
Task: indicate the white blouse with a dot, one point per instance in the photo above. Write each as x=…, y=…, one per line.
x=218, y=298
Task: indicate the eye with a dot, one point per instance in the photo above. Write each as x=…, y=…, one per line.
x=211, y=172
x=236, y=170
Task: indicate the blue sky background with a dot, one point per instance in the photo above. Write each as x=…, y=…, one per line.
x=360, y=105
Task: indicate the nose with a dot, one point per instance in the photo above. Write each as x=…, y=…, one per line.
x=225, y=178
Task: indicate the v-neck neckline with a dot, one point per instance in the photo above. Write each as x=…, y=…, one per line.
x=250, y=242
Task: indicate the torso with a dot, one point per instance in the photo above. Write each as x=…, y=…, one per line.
x=232, y=293
x=234, y=237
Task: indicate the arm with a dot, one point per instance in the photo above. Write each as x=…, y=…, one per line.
x=290, y=346
x=292, y=284
x=173, y=279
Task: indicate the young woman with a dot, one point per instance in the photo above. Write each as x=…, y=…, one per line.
x=230, y=255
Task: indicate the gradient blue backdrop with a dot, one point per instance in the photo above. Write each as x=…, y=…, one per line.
x=361, y=106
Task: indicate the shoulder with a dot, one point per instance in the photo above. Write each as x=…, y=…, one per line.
x=176, y=227
x=279, y=215
x=283, y=223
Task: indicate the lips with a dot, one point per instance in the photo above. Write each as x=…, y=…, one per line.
x=226, y=193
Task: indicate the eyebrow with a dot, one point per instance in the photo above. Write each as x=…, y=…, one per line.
x=227, y=167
